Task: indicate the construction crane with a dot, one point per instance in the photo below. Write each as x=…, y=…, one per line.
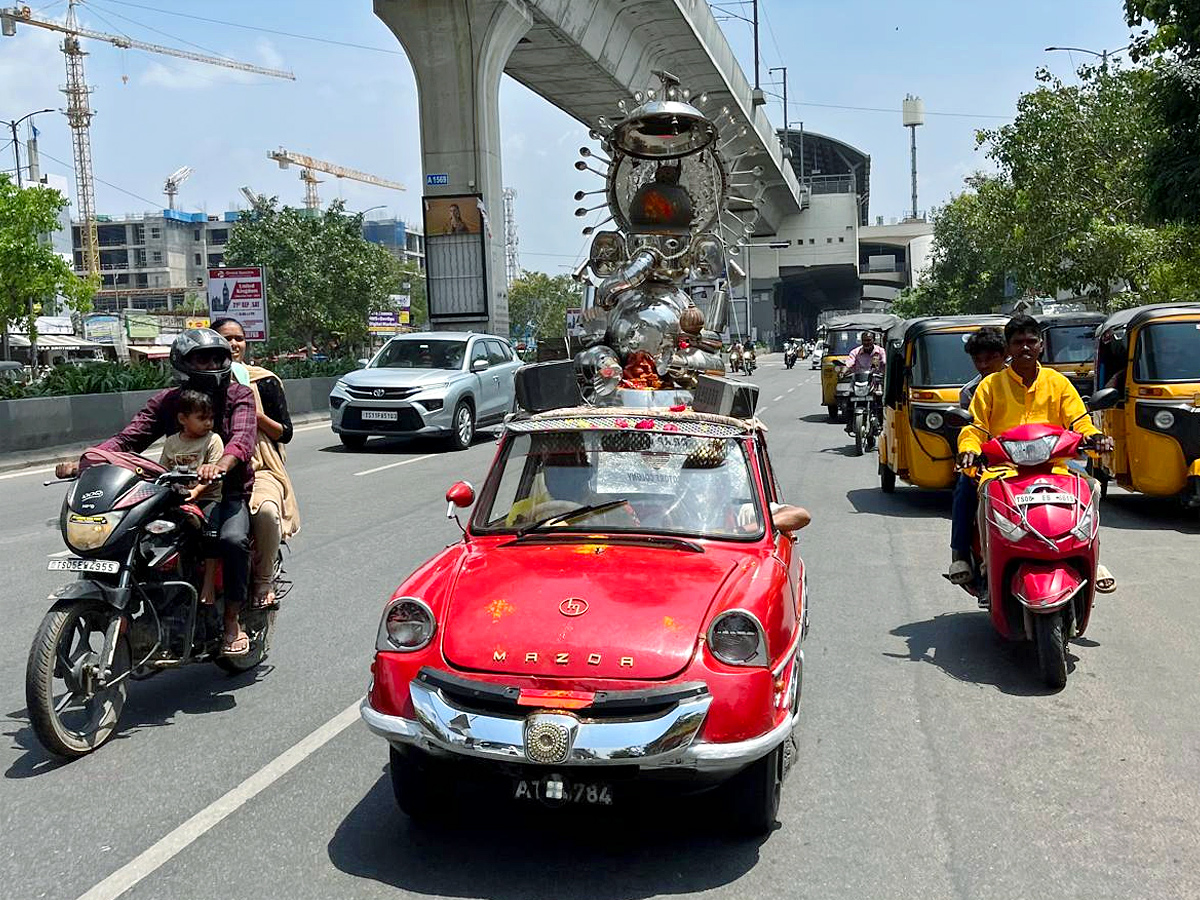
x=310, y=166
x=174, y=180
x=79, y=113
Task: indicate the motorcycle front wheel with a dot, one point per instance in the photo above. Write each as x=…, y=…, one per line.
x=1050, y=632
x=70, y=712
x=860, y=432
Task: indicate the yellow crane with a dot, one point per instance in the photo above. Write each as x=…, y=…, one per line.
x=79, y=113
x=310, y=166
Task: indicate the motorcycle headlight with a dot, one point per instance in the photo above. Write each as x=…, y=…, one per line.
x=1031, y=453
x=1009, y=530
x=736, y=638
x=1164, y=419
x=89, y=532
x=408, y=625
x=934, y=421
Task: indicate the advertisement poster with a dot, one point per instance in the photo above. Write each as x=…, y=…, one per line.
x=403, y=302
x=196, y=322
x=101, y=329
x=241, y=294
x=455, y=236
x=385, y=322
x=575, y=322
x=141, y=327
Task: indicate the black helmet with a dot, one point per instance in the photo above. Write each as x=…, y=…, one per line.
x=192, y=341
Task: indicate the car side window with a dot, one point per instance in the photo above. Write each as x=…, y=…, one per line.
x=478, y=351
x=496, y=354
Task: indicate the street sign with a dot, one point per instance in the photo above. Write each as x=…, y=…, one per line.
x=384, y=322
x=442, y=178
x=240, y=293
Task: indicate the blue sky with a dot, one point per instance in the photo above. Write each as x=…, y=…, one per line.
x=357, y=107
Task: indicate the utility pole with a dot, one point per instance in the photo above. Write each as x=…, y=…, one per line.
x=787, y=146
x=757, y=97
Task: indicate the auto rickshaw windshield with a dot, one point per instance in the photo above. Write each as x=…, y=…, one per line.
x=1069, y=344
x=940, y=360
x=1168, y=351
x=842, y=342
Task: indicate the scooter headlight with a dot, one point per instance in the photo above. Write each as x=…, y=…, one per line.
x=1164, y=419
x=1008, y=529
x=1031, y=453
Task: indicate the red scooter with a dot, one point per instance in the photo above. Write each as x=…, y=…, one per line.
x=1037, y=542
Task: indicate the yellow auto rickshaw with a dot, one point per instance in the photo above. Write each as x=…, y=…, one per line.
x=1069, y=346
x=927, y=367
x=1151, y=356
x=841, y=335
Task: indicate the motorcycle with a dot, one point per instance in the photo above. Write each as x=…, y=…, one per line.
x=749, y=363
x=137, y=545
x=865, y=418
x=789, y=357
x=1037, y=541
x=736, y=361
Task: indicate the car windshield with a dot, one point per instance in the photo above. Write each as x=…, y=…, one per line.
x=411, y=353
x=1168, y=351
x=940, y=360
x=671, y=484
x=1069, y=343
x=841, y=342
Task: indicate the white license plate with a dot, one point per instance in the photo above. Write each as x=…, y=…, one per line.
x=1045, y=497
x=380, y=415
x=74, y=564
x=558, y=791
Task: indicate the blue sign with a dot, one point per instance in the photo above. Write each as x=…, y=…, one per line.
x=435, y=180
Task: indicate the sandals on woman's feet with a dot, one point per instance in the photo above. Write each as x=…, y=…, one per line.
x=239, y=646
x=265, y=599
x=1105, y=583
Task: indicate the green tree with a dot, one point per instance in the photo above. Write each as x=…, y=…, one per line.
x=30, y=271
x=323, y=277
x=538, y=303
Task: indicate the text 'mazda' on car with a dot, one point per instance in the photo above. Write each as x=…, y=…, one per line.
x=622, y=613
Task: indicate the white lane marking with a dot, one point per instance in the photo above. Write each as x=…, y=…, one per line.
x=25, y=472
x=324, y=423
x=777, y=399
x=403, y=462
x=198, y=825
x=790, y=390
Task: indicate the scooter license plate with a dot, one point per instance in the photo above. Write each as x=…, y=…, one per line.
x=74, y=564
x=1045, y=497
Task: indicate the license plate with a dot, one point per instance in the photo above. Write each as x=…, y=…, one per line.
x=558, y=791
x=1045, y=497
x=380, y=415
x=73, y=564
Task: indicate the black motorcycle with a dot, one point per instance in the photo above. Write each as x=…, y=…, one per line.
x=865, y=413
x=134, y=611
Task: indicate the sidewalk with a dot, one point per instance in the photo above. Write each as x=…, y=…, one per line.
x=28, y=459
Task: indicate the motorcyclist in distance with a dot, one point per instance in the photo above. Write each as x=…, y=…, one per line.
x=202, y=359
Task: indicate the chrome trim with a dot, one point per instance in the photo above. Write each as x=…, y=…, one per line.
x=383, y=640
x=760, y=657
x=789, y=654
x=664, y=742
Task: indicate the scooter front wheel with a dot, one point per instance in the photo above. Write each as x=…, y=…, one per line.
x=1050, y=632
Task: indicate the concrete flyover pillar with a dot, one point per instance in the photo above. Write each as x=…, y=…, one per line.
x=458, y=50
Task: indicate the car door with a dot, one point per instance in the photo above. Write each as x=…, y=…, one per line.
x=504, y=365
x=487, y=387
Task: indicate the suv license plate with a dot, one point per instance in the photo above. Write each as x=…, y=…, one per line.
x=74, y=564
x=558, y=791
x=1045, y=497
x=380, y=415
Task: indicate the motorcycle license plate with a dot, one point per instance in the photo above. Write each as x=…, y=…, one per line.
x=74, y=564
x=380, y=415
x=1045, y=497
x=558, y=791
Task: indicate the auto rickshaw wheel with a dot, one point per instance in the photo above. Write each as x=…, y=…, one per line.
x=887, y=479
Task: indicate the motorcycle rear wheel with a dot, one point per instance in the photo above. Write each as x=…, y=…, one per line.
x=259, y=624
x=69, y=718
x=1050, y=631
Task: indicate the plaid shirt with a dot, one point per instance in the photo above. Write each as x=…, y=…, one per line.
x=238, y=428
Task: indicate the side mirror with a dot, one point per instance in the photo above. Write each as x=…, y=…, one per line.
x=839, y=364
x=1105, y=398
x=460, y=496
x=959, y=416
x=363, y=363
x=480, y=365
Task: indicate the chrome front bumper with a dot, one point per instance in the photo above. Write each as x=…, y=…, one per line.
x=660, y=742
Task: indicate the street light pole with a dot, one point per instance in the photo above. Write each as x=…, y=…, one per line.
x=1102, y=54
x=787, y=145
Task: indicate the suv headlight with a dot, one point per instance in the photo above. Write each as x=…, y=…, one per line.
x=340, y=385
x=736, y=638
x=407, y=625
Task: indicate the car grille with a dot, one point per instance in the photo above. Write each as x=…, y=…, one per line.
x=407, y=420
x=381, y=393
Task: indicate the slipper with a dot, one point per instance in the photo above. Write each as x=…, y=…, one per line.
x=266, y=600
x=1105, y=583
x=239, y=646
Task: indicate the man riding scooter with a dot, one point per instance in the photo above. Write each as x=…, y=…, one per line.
x=202, y=359
x=1023, y=392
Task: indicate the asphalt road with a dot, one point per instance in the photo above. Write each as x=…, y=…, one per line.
x=931, y=762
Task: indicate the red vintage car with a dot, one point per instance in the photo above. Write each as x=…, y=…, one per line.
x=621, y=610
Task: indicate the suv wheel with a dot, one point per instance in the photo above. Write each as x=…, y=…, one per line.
x=353, y=441
x=462, y=426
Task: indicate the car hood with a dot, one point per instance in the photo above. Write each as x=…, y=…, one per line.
x=516, y=609
x=398, y=377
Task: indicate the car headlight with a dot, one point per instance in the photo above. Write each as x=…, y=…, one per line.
x=1164, y=419
x=89, y=532
x=934, y=421
x=408, y=625
x=431, y=388
x=1009, y=530
x=340, y=385
x=736, y=638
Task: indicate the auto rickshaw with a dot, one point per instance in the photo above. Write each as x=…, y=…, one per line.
x=927, y=367
x=840, y=337
x=1151, y=355
x=1069, y=346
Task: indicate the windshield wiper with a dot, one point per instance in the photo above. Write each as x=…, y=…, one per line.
x=572, y=514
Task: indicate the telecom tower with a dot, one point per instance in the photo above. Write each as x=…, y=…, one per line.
x=913, y=116
x=512, y=256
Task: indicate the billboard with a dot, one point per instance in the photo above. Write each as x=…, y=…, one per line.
x=456, y=233
x=240, y=293
x=101, y=329
x=384, y=322
x=403, y=302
